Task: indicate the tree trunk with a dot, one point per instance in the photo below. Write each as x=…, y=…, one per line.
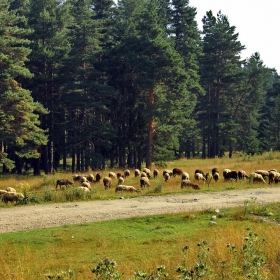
x=151, y=133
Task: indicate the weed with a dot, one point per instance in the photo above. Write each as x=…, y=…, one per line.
x=158, y=188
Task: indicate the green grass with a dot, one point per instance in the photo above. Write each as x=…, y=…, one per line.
x=136, y=243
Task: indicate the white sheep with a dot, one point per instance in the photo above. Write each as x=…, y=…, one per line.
x=148, y=172
x=112, y=175
x=137, y=173
x=225, y=172
x=86, y=185
x=90, y=178
x=120, y=180
x=155, y=173
x=199, y=176
x=144, y=181
x=85, y=189
x=123, y=188
x=126, y=173
x=143, y=174
x=166, y=177
x=255, y=177
x=188, y=183
x=83, y=179
x=185, y=176
x=2, y=192
x=107, y=182
x=170, y=172
x=10, y=189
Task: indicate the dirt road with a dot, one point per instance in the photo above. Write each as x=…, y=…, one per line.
x=55, y=215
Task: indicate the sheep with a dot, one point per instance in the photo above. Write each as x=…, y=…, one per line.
x=148, y=172
x=143, y=174
x=126, y=173
x=112, y=175
x=86, y=185
x=166, y=177
x=273, y=176
x=155, y=173
x=2, y=192
x=177, y=171
x=231, y=175
x=12, y=197
x=10, y=189
x=63, y=182
x=167, y=171
x=90, y=178
x=185, y=176
x=199, y=171
x=225, y=171
x=199, y=176
x=83, y=179
x=242, y=174
x=137, y=173
x=98, y=177
x=214, y=170
x=85, y=189
x=255, y=177
x=264, y=173
x=107, y=182
x=77, y=177
x=216, y=176
x=144, y=181
x=123, y=188
x=120, y=180
x=188, y=183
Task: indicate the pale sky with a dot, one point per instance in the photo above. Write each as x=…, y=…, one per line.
x=256, y=21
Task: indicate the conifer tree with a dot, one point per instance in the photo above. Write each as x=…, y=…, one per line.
x=20, y=134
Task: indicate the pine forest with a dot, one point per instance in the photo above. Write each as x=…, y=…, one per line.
x=91, y=84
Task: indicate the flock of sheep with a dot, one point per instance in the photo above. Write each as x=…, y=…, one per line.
x=84, y=182
x=146, y=174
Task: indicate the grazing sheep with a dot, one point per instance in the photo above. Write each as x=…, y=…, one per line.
x=167, y=171
x=188, y=183
x=225, y=171
x=155, y=173
x=166, y=177
x=77, y=178
x=148, y=172
x=216, y=176
x=126, y=173
x=177, y=171
x=112, y=175
x=120, y=175
x=264, y=173
x=12, y=197
x=143, y=174
x=107, y=182
x=98, y=177
x=90, y=178
x=85, y=189
x=199, y=171
x=86, y=185
x=137, y=173
x=120, y=180
x=2, y=192
x=63, y=182
x=185, y=176
x=9, y=189
x=273, y=176
x=83, y=179
x=231, y=175
x=214, y=170
x=242, y=174
x=144, y=181
x=123, y=188
x=199, y=176
x=255, y=177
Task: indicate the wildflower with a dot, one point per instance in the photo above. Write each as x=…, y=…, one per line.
x=192, y=271
x=185, y=248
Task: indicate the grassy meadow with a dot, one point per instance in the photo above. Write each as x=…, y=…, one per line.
x=227, y=250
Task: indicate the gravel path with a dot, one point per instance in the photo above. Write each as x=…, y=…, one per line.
x=54, y=215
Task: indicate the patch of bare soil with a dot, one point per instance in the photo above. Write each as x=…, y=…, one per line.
x=54, y=215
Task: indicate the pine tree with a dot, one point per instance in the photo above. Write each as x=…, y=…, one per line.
x=19, y=124
x=221, y=68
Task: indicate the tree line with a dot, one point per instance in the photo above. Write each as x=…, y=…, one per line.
x=94, y=83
